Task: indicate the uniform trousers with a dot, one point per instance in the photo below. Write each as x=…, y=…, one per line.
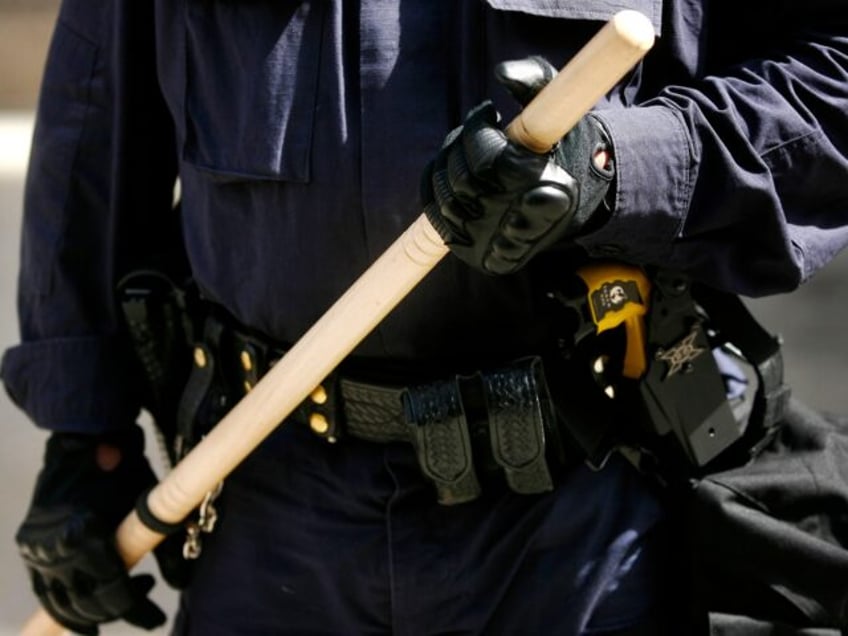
x=348, y=538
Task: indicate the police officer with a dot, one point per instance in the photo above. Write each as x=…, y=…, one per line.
x=299, y=132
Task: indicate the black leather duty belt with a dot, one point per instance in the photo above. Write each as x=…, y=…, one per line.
x=494, y=420
x=462, y=427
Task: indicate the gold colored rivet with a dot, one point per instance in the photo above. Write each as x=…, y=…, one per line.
x=246, y=361
x=247, y=386
x=318, y=423
x=199, y=357
x=319, y=395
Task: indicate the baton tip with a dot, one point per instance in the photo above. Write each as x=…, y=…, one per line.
x=634, y=28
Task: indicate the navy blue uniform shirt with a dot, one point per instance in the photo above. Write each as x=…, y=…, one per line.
x=299, y=131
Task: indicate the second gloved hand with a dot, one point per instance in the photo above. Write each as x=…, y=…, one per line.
x=496, y=204
x=87, y=485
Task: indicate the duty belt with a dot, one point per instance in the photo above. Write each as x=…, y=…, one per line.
x=498, y=419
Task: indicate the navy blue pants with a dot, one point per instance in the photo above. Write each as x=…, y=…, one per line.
x=348, y=538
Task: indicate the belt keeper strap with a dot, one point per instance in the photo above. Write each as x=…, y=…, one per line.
x=150, y=520
x=197, y=389
x=514, y=400
x=441, y=439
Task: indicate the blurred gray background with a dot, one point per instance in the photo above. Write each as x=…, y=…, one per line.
x=811, y=320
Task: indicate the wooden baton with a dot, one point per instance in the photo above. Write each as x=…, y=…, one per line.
x=587, y=77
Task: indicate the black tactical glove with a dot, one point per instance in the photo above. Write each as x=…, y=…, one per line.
x=87, y=486
x=496, y=204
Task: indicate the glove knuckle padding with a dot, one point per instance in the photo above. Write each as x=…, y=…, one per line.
x=505, y=249
x=538, y=211
x=511, y=203
x=538, y=197
x=498, y=204
x=546, y=204
x=67, y=538
x=74, y=566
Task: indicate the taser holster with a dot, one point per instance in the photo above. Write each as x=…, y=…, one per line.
x=682, y=392
x=666, y=395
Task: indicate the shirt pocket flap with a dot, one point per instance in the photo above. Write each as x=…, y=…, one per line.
x=249, y=99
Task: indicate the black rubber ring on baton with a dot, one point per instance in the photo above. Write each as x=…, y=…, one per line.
x=150, y=520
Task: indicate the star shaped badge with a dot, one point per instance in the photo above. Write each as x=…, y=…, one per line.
x=681, y=354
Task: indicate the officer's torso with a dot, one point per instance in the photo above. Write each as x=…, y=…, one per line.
x=304, y=128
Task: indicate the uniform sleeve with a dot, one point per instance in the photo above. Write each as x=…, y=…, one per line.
x=737, y=174
x=98, y=195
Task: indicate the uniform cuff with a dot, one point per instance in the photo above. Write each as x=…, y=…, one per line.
x=82, y=385
x=654, y=177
